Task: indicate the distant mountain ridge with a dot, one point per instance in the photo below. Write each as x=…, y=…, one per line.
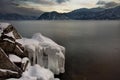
x=78, y=14
x=14, y=16
x=84, y=14
x=53, y=16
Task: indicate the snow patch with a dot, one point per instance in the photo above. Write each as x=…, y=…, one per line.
x=9, y=40
x=5, y=70
x=14, y=58
x=10, y=34
x=3, y=26
x=19, y=49
x=36, y=72
x=25, y=60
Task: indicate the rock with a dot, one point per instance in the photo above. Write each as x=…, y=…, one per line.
x=6, y=64
x=13, y=48
x=8, y=45
x=8, y=74
x=9, y=35
x=11, y=32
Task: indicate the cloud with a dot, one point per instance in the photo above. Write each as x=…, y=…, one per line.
x=30, y=7
x=111, y=4
x=12, y=6
x=61, y=1
x=45, y=2
x=101, y=2
x=108, y=4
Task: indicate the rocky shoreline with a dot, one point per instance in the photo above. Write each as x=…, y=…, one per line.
x=20, y=56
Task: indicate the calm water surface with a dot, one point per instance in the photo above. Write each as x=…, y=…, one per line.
x=92, y=47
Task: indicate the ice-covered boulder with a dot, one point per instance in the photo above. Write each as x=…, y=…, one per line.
x=45, y=52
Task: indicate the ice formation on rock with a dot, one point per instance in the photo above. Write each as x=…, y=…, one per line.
x=34, y=50
x=45, y=52
x=54, y=52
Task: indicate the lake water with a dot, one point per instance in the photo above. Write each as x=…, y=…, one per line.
x=92, y=47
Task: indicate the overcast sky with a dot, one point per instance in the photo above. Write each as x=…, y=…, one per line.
x=39, y=6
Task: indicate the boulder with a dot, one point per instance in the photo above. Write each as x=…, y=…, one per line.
x=8, y=45
x=8, y=36
x=10, y=31
x=8, y=68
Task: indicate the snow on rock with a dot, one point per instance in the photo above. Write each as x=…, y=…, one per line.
x=9, y=40
x=24, y=61
x=5, y=70
x=37, y=72
x=8, y=31
x=14, y=58
x=24, y=78
x=10, y=34
x=57, y=79
x=3, y=26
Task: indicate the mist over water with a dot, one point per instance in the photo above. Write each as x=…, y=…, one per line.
x=92, y=47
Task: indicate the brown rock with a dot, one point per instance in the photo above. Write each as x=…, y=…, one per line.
x=15, y=33
x=13, y=48
x=6, y=64
x=9, y=74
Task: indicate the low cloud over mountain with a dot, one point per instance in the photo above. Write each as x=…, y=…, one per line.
x=108, y=4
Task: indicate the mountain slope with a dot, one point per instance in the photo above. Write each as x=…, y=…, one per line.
x=53, y=16
x=84, y=14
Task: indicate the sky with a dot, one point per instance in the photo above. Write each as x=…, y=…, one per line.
x=62, y=6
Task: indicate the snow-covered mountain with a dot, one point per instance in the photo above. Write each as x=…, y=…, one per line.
x=84, y=14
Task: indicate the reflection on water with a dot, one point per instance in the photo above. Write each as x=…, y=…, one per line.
x=92, y=47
